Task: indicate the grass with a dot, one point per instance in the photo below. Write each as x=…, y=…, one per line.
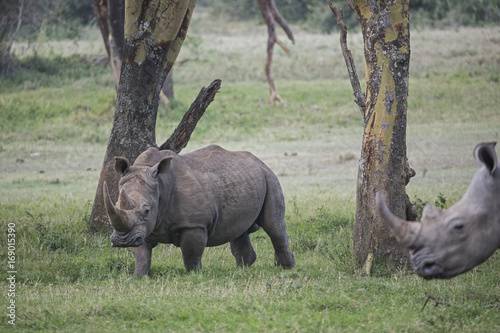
x=54, y=124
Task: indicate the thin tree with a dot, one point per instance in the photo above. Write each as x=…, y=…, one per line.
x=383, y=166
x=154, y=31
x=271, y=14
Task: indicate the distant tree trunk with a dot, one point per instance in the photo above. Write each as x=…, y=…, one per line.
x=383, y=166
x=16, y=20
x=270, y=14
x=21, y=17
x=168, y=86
x=110, y=16
x=154, y=33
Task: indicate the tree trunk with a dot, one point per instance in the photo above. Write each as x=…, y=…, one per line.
x=154, y=33
x=383, y=166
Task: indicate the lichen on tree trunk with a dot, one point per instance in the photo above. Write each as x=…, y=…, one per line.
x=383, y=166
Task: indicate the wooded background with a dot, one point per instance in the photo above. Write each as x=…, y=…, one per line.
x=64, y=19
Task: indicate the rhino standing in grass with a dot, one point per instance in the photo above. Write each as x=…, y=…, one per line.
x=452, y=241
x=204, y=198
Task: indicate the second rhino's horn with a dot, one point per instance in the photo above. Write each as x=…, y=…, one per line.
x=405, y=232
x=117, y=217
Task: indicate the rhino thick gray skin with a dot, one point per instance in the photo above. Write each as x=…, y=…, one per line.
x=449, y=242
x=204, y=198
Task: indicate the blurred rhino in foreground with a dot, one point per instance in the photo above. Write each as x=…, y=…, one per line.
x=204, y=198
x=452, y=241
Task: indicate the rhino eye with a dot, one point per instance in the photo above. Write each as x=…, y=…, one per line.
x=459, y=226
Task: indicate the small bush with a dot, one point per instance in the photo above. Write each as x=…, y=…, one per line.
x=440, y=202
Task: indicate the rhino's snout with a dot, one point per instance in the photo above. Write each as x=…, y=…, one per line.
x=117, y=242
x=430, y=270
x=138, y=241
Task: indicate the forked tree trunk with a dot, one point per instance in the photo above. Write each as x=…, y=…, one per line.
x=383, y=166
x=154, y=33
x=110, y=16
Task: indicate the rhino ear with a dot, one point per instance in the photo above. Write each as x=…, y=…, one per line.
x=121, y=164
x=161, y=166
x=485, y=153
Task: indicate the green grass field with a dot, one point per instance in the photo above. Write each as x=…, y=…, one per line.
x=54, y=125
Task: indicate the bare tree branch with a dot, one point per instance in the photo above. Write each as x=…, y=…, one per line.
x=351, y=68
x=180, y=138
x=281, y=20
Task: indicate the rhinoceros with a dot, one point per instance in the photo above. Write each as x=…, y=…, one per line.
x=207, y=197
x=452, y=241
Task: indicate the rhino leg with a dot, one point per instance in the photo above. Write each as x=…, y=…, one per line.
x=142, y=256
x=282, y=256
x=193, y=243
x=272, y=220
x=242, y=250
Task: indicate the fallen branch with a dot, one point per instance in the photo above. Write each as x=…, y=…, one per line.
x=351, y=68
x=180, y=138
x=438, y=302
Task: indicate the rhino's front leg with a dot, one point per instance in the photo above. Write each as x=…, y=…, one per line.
x=142, y=256
x=193, y=243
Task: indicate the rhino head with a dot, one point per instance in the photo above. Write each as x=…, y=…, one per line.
x=449, y=242
x=135, y=214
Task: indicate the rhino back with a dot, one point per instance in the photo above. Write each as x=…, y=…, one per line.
x=216, y=189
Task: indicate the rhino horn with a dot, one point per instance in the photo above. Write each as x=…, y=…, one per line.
x=117, y=217
x=405, y=232
x=125, y=201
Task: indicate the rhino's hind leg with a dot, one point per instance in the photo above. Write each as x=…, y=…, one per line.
x=272, y=220
x=243, y=251
x=276, y=229
x=282, y=256
x=193, y=243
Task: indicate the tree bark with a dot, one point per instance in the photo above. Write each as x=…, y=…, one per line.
x=383, y=166
x=154, y=33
